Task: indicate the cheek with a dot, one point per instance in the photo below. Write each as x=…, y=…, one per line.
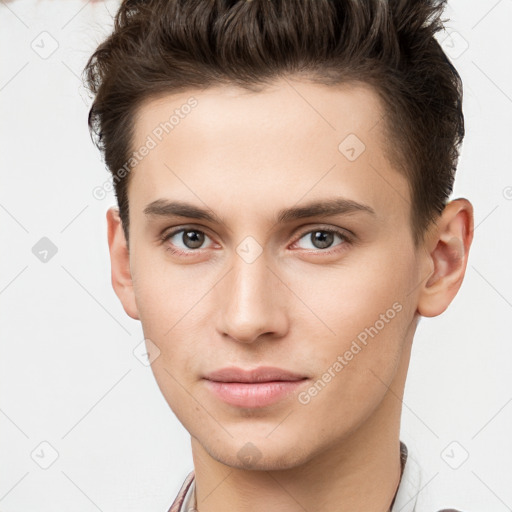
x=349, y=298
x=165, y=293
x=355, y=367
x=174, y=308
x=363, y=316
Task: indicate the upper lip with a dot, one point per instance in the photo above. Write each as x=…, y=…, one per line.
x=260, y=374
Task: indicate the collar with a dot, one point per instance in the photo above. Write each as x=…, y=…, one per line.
x=410, y=483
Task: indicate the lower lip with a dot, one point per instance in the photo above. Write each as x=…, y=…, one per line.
x=245, y=394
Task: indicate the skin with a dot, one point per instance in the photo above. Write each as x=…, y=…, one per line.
x=245, y=156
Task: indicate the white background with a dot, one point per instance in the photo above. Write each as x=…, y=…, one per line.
x=68, y=374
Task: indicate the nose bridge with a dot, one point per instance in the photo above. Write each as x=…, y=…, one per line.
x=249, y=302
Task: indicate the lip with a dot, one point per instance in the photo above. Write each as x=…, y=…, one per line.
x=253, y=388
x=260, y=374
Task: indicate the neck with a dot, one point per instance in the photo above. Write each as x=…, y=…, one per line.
x=360, y=473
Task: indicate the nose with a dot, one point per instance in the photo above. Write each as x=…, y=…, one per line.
x=252, y=302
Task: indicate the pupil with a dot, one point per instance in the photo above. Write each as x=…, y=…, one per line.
x=193, y=239
x=322, y=239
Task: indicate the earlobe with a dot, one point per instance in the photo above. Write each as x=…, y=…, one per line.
x=447, y=257
x=120, y=263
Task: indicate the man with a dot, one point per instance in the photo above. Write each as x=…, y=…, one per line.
x=282, y=171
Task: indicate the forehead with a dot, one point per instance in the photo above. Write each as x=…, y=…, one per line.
x=291, y=109
x=295, y=139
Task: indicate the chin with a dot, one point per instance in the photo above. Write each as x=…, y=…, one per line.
x=259, y=453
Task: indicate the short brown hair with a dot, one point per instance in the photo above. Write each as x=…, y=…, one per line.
x=170, y=46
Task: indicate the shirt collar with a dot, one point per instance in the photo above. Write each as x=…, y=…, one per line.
x=409, y=488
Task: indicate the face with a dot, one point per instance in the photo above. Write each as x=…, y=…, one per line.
x=305, y=262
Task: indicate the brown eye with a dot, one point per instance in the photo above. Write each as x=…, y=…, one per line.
x=186, y=239
x=192, y=238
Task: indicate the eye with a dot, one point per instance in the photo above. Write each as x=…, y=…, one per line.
x=323, y=239
x=185, y=239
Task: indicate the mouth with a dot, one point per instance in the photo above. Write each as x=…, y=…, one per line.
x=260, y=374
x=260, y=387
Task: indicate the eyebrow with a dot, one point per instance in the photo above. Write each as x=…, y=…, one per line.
x=325, y=207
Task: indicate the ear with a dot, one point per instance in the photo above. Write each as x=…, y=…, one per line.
x=120, y=263
x=447, y=249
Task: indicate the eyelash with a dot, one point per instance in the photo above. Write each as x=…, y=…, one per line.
x=345, y=237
